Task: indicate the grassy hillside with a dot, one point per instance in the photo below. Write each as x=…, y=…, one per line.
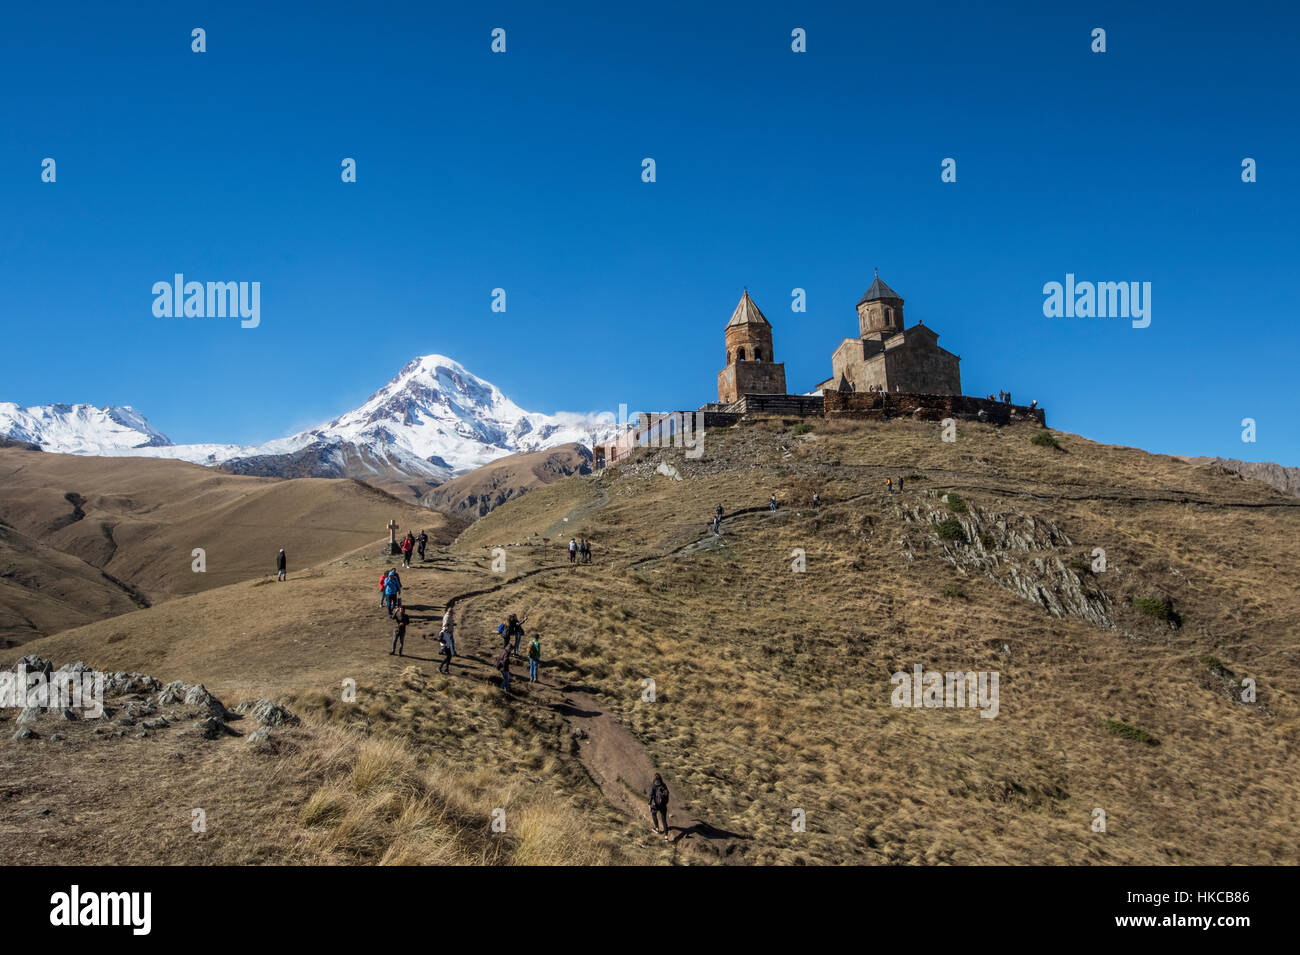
x=82, y=538
x=1120, y=686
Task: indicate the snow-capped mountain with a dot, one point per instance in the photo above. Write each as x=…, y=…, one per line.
x=80, y=429
x=434, y=420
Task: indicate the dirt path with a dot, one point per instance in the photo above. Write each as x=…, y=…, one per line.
x=621, y=767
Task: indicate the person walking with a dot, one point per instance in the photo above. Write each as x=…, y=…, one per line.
x=421, y=542
x=659, y=805
x=573, y=550
x=817, y=499
x=383, y=582
x=503, y=665
x=449, y=628
x=900, y=484
x=447, y=649
x=771, y=504
x=392, y=590
x=281, y=566
x=399, y=632
x=889, y=483
x=534, y=658
x=516, y=629
x=408, y=545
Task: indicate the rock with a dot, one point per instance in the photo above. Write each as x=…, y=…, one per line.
x=55, y=737
x=212, y=728
x=267, y=713
x=26, y=732
x=260, y=737
x=173, y=692
x=143, y=734
x=70, y=715
x=35, y=664
x=668, y=470
x=29, y=714
x=124, y=721
x=198, y=695
x=123, y=682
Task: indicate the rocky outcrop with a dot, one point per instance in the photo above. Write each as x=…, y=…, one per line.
x=267, y=713
x=1019, y=552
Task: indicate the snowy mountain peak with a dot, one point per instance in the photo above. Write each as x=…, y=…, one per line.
x=433, y=420
x=81, y=428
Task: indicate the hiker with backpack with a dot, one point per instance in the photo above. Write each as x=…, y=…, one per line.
x=573, y=550
x=534, y=658
x=503, y=664
x=392, y=590
x=447, y=649
x=281, y=566
x=399, y=632
x=889, y=483
x=771, y=504
x=421, y=542
x=515, y=628
x=383, y=581
x=408, y=544
x=659, y=805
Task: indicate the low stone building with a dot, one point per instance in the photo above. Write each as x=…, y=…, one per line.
x=888, y=357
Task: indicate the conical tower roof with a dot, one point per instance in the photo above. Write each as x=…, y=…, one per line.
x=747, y=313
x=879, y=290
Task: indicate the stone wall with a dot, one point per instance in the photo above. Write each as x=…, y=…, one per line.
x=926, y=407
x=750, y=378
x=923, y=370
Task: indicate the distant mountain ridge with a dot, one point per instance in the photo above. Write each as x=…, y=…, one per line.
x=434, y=420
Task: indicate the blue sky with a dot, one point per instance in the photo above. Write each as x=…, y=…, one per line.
x=775, y=170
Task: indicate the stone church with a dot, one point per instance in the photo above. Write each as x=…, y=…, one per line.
x=886, y=356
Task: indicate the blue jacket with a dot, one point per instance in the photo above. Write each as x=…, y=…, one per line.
x=394, y=585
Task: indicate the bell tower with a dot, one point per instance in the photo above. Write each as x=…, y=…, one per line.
x=880, y=311
x=750, y=368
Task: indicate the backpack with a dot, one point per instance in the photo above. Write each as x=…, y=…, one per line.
x=534, y=651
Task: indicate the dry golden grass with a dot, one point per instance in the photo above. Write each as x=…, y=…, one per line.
x=773, y=689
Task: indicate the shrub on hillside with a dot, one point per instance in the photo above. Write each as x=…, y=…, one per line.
x=955, y=503
x=953, y=592
x=950, y=529
x=1044, y=439
x=1129, y=731
x=1159, y=608
x=801, y=428
x=1212, y=663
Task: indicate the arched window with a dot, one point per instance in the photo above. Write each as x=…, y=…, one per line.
x=758, y=354
x=740, y=354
